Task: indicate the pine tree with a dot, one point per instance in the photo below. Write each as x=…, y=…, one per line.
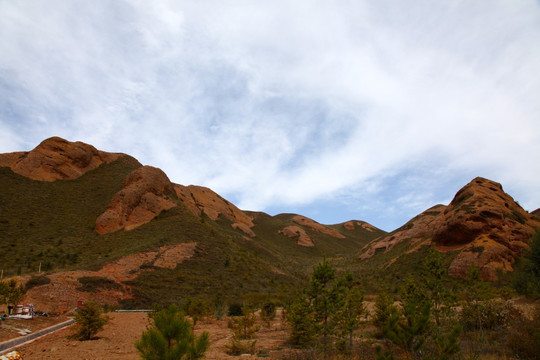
x=323, y=297
x=350, y=308
x=89, y=321
x=409, y=327
x=383, y=310
x=300, y=317
x=244, y=328
x=331, y=306
x=446, y=332
x=171, y=338
x=434, y=282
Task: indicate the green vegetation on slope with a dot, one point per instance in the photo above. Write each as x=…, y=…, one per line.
x=53, y=222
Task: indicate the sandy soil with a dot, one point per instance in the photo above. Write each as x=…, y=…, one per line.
x=118, y=338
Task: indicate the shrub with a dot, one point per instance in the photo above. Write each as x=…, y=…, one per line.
x=198, y=308
x=37, y=281
x=97, y=283
x=10, y=292
x=89, y=321
x=526, y=278
x=487, y=315
x=524, y=337
x=268, y=312
x=235, y=309
x=238, y=347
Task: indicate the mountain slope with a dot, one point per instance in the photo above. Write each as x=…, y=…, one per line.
x=114, y=230
x=90, y=226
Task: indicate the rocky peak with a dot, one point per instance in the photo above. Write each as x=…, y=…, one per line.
x=488, y=225
x=57, y=159
x=482, y=222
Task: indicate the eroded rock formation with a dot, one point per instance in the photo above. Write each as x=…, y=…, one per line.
x=315, y=226
x=297, y=232
x=57, y=159
x=353, y=224
x=200, y=199
x=146, y=192
x=482, y=222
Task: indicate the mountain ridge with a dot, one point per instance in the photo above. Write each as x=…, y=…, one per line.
x=75, y=229
x=89, y=224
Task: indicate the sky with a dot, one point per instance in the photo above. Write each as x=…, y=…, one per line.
x=372, y=110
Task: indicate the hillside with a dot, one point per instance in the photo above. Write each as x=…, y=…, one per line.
x=118, y=231
x=103, y=226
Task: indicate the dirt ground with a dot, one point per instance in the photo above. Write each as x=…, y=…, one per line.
x=117, y=340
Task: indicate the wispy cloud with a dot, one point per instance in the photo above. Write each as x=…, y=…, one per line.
x=281, y=106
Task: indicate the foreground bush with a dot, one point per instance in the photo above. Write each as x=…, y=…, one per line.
x=171, y=338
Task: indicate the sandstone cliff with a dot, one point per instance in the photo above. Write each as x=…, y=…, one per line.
x=146, y=192
x=200, y=199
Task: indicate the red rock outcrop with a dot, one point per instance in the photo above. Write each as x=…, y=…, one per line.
x=57, y=159
x=315, y=226
x=352, y=224
x=490, y=226
x=146, y=192
x=483, y=222
x=199, y=199
x=296, y=231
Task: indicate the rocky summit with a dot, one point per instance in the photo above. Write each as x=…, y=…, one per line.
x=483, y=223
x=56, y=159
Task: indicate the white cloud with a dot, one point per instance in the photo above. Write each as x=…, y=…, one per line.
x=277, y=104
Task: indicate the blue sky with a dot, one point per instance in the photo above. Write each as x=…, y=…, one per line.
x=370, y=110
